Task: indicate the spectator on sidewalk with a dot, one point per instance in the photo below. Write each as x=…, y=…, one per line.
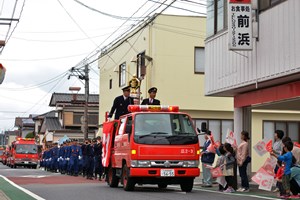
x=243, y=158
x=207, y=158
x=287, y=159
x=277, y=149
x=229, y=165
x=278, y=177
x=295, y=178
x=220, y=163
x=295, y=151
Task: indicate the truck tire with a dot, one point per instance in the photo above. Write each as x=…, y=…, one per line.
x=113, y=180
x=162, y=185
x=187, y=184
x=128, y=182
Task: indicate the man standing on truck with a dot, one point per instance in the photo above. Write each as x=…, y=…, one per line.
x=121, y=103
x=151, y=100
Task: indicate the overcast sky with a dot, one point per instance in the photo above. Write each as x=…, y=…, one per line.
x=54, y=35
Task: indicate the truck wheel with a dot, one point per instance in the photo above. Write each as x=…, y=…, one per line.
x=128, y=183
x=187, y=184
x=162, y=185
x=113, y=180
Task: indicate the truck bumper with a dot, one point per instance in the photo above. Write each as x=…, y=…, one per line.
x=156, y=172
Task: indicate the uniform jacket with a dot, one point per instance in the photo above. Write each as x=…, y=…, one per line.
x=207, y=157
x=98, y=149
x=76, y=151
x=147, y=102
x=120, y=106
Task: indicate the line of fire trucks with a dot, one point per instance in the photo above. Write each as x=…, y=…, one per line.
x=150, y=145
x=21, y=152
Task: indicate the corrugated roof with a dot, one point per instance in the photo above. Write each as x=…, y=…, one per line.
x=68, y=98
x=52, y=123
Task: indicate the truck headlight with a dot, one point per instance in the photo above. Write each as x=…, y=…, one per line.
x=190, y=163
x=140, y=163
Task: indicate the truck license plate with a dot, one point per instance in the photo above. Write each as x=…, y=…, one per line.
x=167, y=172
x=26, y=162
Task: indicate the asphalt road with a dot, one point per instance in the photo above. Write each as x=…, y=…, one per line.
x=53, y=186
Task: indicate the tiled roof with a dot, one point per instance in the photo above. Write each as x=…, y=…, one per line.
x=52, y=123
x=68, y=98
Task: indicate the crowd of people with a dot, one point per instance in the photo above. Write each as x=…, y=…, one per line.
x=75, y=159
x=232, y=157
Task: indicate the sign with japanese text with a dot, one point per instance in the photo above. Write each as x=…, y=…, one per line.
x=240, y=25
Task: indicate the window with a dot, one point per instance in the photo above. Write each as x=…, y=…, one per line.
x=290, y=129
x=141, y=65
x=216, y=16
x=199, y=59
x=110, y=83
x=122, y=74
x=218, y=127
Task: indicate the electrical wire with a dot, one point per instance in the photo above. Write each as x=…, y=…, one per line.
x=49, y=81
x=184, y=9
x=76, y=23
x=42, y=59
x=107, y=14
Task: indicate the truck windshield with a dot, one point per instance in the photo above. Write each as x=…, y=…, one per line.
x=26, y=148
x=158, y=128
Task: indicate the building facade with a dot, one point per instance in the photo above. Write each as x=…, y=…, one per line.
x=166, y=52
x=264, y=81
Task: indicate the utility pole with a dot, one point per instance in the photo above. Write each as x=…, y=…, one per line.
x=86, y=85
x=83, y=75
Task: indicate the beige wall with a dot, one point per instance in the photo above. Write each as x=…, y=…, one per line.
x=257, y=131
x=170, y=41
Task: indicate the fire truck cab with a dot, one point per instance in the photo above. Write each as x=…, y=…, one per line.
x=23, y=152
x=151, y=145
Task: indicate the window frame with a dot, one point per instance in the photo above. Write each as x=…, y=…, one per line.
x=140, y=63
x=215, y=18
x=286, y=133
x=270, y=4
x=196, y=72
x=122, y=74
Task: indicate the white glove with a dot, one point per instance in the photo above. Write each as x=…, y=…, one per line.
x=46, y=160
x=50, y=159
x=79, y=157
x=57, y=159
x=68, y=159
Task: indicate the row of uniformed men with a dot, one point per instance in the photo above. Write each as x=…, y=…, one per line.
x=73, y=158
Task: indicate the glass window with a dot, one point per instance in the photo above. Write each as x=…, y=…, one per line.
x=199, y=59
x=26, y=148
x=122, y=74
x=210, y=18
x=280, y=126
x=293, y=133
x=215, y=128
x=269, y=129
x=227, y=125
x=220, y=18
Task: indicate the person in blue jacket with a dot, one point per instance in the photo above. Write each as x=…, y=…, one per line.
x=75, y=156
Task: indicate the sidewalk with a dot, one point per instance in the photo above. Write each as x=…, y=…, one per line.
x=253, y=189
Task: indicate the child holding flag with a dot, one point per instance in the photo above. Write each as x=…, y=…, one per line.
x=286, y=158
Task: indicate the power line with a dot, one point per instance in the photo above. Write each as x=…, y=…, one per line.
x=42, y=59
x=8, y=36
x=107, y=14
x=76, y=23
x=184, y=9
x=49, y=81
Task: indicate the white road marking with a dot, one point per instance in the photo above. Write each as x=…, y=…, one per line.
x=23, y=189
x=33, y=176
x=233, y=194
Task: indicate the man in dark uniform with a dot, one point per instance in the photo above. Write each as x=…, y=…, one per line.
x=151, y=100
x=121, y=103
x=98, y=157
x=90, y=160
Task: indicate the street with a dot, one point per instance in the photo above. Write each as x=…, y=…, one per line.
x=55, y=186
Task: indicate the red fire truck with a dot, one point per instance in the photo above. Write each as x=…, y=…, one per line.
x=23, y=152
x=151, y=145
